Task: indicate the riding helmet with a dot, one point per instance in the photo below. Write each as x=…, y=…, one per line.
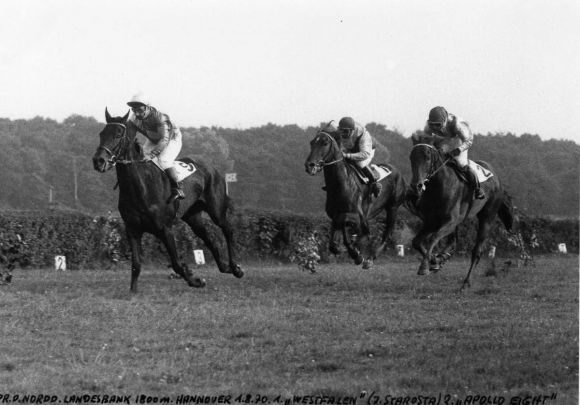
x=437, y=115
x=346, y=123
x=138, y=100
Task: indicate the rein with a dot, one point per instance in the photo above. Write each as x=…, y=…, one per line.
x=122, y=145
x=323, y=162
x=433, y=172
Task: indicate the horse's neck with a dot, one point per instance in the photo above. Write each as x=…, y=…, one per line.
x=136, y=180
x=340, y=186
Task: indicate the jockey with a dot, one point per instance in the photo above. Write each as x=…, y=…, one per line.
x=163, y=138
x=357, y=146
x=441, y=123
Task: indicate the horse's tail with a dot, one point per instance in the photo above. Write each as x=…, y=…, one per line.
x=506, y=212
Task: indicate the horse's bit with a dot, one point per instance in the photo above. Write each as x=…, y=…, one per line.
x=113, y=153
x=431, y=172
x=322, y=162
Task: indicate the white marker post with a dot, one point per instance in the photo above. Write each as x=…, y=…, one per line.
x=230, y=178
x=199, y=257
x=491, y=253
x=401, y=250
x=562, y=248
x=60, y=263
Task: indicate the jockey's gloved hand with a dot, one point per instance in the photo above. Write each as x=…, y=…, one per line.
x=455, y=152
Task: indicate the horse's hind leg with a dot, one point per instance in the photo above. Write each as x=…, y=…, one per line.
x=134, y=238
x=223, y=221
x=482, y=233
x=387, y=237
x=166, y=236
x=197, y=225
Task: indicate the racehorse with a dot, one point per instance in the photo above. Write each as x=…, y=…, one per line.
x=348, y=201
x=144, y=190
x=443, y=201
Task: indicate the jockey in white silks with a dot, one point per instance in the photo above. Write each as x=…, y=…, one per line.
x=446, y=125
x=357, y=146
x=163, y=138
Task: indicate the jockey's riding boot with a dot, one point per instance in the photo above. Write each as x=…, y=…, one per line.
x=176, y=191
x=472, y=177
x=376, y=187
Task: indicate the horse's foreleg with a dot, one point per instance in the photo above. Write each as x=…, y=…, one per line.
x=332, y=240
x=197, y=225
x=419, y=243
x=353, y=251
x=444, y=255
x=442, y=232
x=166, y=236
x=134, y=238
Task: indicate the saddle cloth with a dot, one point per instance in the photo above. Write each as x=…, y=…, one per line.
x=482, y=173
x=380, y=172
x=183, y=169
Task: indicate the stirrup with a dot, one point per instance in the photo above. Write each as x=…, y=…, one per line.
x=479, y=194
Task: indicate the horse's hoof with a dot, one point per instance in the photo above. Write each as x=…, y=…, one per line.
x=434, y=269
x=237, y=271
x=422, y=271
x=196, y=282
x=367, y=264
x=358, y=260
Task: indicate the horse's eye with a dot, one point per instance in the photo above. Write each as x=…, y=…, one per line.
x=119, y=133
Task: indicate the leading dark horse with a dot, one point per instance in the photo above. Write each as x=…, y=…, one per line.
x=143, y=194
x=348, y=203
x=443, y=201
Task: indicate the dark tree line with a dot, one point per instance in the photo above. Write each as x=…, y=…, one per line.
x=40, y=155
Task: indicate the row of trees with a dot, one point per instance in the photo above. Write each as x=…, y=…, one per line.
x=42, y=157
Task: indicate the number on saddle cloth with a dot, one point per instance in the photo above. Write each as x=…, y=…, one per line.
x=183, y=168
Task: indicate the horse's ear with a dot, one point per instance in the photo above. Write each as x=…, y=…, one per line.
x=126, y=116
x=420, y=137
x=415, y=138
x=107, y=115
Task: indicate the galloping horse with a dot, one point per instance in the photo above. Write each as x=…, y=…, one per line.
x=144, y=190
x=348, y=203
x=443, y=201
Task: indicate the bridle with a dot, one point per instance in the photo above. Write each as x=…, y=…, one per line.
x=121, y=146
x=433, y=170
x=323, y=163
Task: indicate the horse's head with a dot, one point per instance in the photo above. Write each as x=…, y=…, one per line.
x=114, y=142
x=425, y=162
x=324, y=149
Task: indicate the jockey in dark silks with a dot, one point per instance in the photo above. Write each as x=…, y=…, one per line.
x=441, y=123
x=357, y=146
x=163, y=142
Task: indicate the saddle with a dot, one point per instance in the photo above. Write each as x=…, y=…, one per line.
x=183, y=168
x=482, y=173
x=380, y=171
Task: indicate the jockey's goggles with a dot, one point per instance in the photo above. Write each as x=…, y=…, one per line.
x=435, y=126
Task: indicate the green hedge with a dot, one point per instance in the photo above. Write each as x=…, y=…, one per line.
x=33, y=238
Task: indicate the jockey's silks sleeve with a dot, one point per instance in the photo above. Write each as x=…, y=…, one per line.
x=460, y=129
x=455, y=128
x=365, y=148
x=156, y=127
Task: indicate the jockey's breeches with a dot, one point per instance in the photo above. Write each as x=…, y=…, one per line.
x=168, y=155
x=366, y=162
